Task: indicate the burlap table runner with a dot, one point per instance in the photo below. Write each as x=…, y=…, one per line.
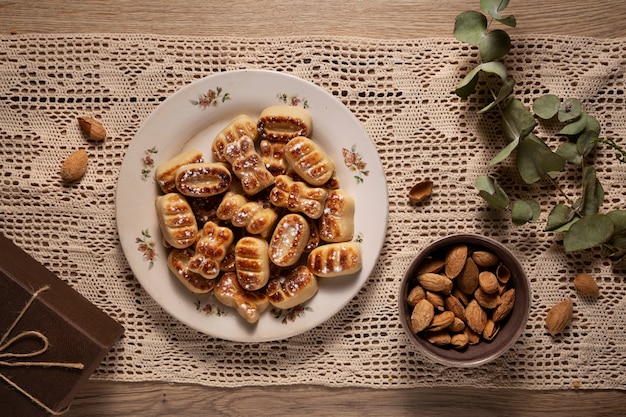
x=401, y=91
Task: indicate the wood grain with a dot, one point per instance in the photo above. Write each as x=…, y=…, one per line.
x=270, y=18
x=105, y=399
x=385, y=19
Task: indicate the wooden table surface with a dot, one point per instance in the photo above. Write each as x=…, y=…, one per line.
x=272, y=18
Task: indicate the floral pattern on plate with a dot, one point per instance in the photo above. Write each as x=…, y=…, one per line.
x=293, y=100
x=146, y=246
x=147, y=162
x=211, y=98
x=354, y=161
x=291, y=314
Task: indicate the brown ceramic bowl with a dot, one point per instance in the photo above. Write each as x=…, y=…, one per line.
x=510, y=328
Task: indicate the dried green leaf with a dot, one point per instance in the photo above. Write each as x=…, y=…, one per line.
x=618, y=217
x=491, y=192
x=590, y=231
x=535, y=159
x=494, y=7
x=546, y=106
x=593, y=193
x=586, y=142
x=504, y=153
x=505, y=91
x=494, y=45
x=569, y=152
x=569, y=110
x=468, y=83
x=517, y=120
x=592, y=125
x=524, y=211
x=469, y=27
x=559, y=216
x=575, y=126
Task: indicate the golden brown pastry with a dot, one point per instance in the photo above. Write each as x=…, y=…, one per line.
x=165, y=173
x=248, y=304
x=248, y=166
x=211, y=248
x=252, y=262
x=203, y=179
x=289, y=240
x=176, y=220
x=178, y=263
x=273, y=155
x=242, y=125
x=309, y=161
x=257, y=219
x=299, y=197
x=335, y=259
x=337, y=222
x=299, y=286
x=283, y=123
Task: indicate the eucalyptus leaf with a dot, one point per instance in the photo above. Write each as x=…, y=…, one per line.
x=619, y=220
x=517, y=120
x=491, y=192
x=569, y=110
x=535, y=159
x=586, y=142
x=546, y=106
x=524, y=211
x=590, y=231
x=469, y=27
x=569, y=152
x=575, y=126
x=468, y=83
x=504, y=153
x=494, y=7
x=592, y=125
x=593, y=193
x=505, y=91
x=559, y=216
x=494, y=45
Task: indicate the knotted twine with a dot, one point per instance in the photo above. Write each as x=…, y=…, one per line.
x=5, y=353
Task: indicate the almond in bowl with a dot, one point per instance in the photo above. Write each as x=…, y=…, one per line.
x=464, y=300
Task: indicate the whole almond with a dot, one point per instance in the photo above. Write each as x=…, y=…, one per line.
x=459, y=340
x=488, y=281
x=485, y=258
x=467, y=281
x=491, y=330
x=473, y=338
x=488, y=301
x=476, y=317
x=436, y=300
x=434, y=265
x=441, y=321
x=586, y=285
x=92, y=128
x=416, y=294
x=439, y=338
x=454, y=305
x=422, y=315
x=457, y=325
x=559, y=316
x=75, y=166
x=435, y=282
x=455, y=261
x=507, y=300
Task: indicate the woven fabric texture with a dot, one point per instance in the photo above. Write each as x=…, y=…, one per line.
x=402, y=92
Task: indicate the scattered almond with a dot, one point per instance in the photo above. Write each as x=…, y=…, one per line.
x=420, y=191
x=75, y=166
x=92, y=128
x=587, y=285
x=559, y=316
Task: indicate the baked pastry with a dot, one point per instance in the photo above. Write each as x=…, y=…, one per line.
x=203, y=179
x=165, y=173
x=211, y=248
x=299, y=286
x=252, y=262
x=337, y=222
x=289, y=240
x=297, y=196
x=254, y=216
x=273, y=155
x=309, y=161
x=178, y=263
x=242, y=125
x=176, y=220
x=248, y=304
x=283, y=123
x=248, y=166
x=335, y=259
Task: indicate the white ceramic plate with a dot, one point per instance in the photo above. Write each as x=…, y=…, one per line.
x=192, y=117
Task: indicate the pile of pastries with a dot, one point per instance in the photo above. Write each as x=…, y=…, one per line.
x=260, y=222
